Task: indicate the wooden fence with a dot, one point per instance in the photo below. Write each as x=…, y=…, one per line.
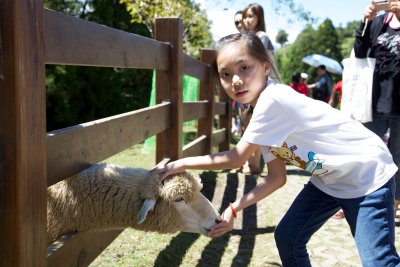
x=32, y=159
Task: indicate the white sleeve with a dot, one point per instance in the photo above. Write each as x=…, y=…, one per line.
x=267, y=156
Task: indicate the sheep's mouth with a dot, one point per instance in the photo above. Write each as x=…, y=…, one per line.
x=206, y=230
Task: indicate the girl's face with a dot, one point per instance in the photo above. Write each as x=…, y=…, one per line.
x=250, y=20
x=242, y=76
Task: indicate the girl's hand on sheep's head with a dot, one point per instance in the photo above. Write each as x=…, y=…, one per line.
x=224, y=226
x=168, y=169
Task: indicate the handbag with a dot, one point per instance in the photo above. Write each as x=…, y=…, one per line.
x=357, y=87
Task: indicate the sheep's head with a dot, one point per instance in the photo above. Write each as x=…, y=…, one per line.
x=180, y=194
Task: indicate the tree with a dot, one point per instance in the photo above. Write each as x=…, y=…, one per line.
x=289, y=59
x=80, y=94
x=196, y=26
x=346, y=37
x=327, y=41
x=282, y=37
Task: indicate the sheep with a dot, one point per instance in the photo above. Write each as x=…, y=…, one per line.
x=108, y=196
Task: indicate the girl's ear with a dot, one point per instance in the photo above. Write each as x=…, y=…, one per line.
x=267, y=68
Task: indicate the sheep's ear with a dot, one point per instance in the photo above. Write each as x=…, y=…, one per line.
x=147, y=206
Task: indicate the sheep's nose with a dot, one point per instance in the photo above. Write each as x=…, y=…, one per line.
x=218, y=220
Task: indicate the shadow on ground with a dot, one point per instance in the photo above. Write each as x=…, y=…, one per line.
x=213, y=252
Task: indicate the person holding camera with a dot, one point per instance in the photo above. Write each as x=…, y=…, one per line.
x=379, y=37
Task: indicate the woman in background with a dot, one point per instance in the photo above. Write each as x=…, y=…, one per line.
x=253, y=19
x=381, y=36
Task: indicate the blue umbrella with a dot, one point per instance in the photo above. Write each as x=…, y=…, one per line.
x=331, y=65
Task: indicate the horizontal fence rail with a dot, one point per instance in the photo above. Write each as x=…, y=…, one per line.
x=76, y=148
x=195, y=68
x=73, y=41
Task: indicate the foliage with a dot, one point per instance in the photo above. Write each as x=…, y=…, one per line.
x=290, y=58
x=326, y=39
x=195, y=23
x=80, y=94
x=282, y=37
x=346, y=37
x=327, y=42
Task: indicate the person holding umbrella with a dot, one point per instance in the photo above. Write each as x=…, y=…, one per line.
x=322, y=89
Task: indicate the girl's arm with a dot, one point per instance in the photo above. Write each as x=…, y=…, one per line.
x=275, y=179
x=230, y=159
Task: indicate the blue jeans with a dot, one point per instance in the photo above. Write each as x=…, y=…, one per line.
x=379, y=126
x=371, y=220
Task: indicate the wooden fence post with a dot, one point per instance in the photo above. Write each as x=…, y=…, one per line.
x=169, y=88
x=207, y=92
x=225, y=120
x=23, y=178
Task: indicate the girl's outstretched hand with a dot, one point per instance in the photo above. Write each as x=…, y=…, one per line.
x=224, y=226
x=169, y=169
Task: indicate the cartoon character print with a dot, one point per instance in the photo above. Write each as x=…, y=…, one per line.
x=285, y=153
x=314, y=164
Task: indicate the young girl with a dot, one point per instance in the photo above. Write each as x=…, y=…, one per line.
x=351, y=167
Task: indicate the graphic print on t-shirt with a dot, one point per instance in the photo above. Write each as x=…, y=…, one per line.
x=387, y=54
x=285, y=153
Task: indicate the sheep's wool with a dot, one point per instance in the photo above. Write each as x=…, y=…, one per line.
x=184, y=184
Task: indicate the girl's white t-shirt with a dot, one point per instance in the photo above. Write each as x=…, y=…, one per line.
x=346, y=159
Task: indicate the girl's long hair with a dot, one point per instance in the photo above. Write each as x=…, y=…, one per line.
x=254, y=47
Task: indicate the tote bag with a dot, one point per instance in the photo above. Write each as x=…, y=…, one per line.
x=357, y=88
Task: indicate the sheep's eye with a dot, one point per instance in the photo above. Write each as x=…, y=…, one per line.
x=179, y=199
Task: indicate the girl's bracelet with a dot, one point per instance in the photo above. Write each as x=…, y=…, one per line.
x=233, y=210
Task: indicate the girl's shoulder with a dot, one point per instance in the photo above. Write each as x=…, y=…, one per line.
x=277, y=90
